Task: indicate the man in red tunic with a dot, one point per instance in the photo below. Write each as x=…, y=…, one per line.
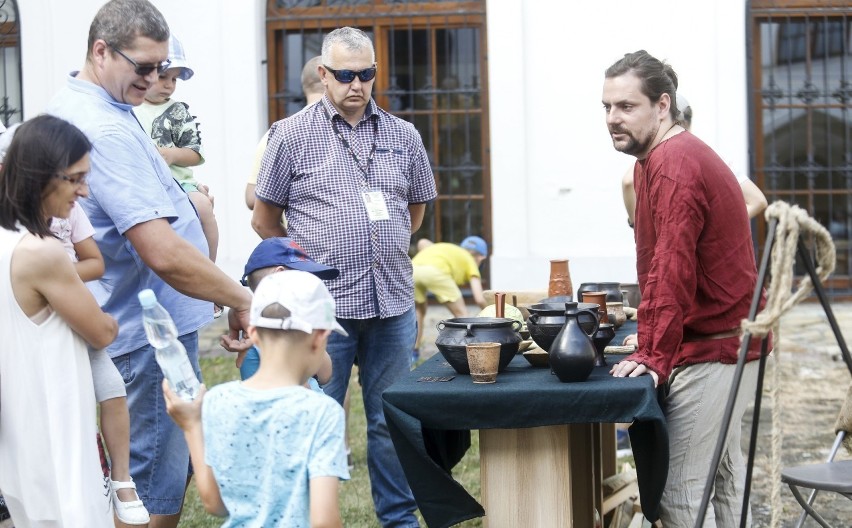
x=696, y=269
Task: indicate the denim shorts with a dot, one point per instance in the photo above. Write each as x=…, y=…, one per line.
x=159, y=456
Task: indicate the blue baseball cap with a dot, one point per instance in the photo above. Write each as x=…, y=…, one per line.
x=283, y=251
x=476, y=244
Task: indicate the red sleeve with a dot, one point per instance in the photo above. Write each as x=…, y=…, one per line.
x=675, y=207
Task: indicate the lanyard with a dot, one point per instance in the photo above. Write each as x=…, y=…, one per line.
x=363, y=169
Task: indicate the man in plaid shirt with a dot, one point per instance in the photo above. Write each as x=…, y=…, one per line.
x=354, y=181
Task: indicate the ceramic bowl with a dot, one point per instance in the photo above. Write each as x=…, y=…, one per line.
x=537, y=357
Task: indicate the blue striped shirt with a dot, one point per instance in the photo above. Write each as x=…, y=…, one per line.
x=309, y=171
x=129, y=184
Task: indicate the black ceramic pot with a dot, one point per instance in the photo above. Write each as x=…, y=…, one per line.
x=454, y=334
x=554, y=314
x=544, y=334
x=612, y=290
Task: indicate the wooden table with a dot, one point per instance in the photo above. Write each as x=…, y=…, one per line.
x=541, y=442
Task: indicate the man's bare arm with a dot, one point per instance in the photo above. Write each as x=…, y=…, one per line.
x=266, y=220
x=183, y=267
x=416, y=211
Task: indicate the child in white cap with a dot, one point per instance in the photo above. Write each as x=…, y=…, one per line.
x=267, y=451
x=175, y=132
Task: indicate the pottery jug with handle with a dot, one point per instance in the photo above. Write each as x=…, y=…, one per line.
x=572, y=354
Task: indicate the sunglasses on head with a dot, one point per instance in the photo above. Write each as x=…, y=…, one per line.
x=143, y=71
x=347, y=76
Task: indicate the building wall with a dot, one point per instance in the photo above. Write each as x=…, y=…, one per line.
x=555, y=176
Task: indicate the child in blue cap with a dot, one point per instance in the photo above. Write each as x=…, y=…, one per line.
x=274, y=255
x=441, y=268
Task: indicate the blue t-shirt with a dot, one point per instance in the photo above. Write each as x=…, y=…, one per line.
x=251, y=362
x=264, y=447
x=129, y=184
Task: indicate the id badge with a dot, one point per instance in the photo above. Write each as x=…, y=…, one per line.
x=374, y=201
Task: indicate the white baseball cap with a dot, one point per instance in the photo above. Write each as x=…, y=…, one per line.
x=303, y=294
x=177, y=56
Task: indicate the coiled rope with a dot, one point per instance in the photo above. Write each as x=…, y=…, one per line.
x=793, y=223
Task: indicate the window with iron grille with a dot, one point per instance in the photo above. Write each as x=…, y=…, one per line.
x=800, y=102
x=11, y=95
x=431, y=72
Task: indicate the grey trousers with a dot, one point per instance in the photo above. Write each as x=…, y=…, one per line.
x=694, y=410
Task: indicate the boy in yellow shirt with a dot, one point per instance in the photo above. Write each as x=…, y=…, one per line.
x=441, y=268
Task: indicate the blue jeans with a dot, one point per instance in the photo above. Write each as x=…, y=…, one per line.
x=159, y=456
x=383, y=347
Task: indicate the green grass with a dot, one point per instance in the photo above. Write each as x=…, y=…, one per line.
x=356, y=503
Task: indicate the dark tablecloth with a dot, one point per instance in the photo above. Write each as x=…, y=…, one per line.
x=430, y=423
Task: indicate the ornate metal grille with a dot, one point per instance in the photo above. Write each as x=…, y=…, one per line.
x=11, y=96
x=432, y=72
x=800, y=110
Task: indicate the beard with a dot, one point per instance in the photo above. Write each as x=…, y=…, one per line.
x=634, y=145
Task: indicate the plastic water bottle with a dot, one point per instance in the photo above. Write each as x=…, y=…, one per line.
x=170, y=352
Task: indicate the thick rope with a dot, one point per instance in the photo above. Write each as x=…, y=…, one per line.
x=776, y=435
x=793, y=223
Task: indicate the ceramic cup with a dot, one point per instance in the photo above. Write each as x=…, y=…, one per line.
x=599, y=298
x=483, y=359
x=615, y=312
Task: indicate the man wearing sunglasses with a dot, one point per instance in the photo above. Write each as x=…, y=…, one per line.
x=150, y=237
x=354, y=182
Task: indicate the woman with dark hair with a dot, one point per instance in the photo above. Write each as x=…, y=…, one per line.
x=50, y=470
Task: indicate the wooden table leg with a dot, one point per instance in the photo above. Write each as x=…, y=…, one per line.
x=585, y=464
x=608, y=449
x=526, y=477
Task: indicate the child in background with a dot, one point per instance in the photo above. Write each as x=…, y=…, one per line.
x=177, y=137
x=289, y=476
x=441, y=268
x=274, y=255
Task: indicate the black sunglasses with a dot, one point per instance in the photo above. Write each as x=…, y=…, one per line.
x=347, y=76
x=143, y=71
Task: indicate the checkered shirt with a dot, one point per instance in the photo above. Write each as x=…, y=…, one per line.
x=308, y=171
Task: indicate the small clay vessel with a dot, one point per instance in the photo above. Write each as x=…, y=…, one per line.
x=601, y=339
x=560, y=279
x=615, y=312
x=598, y=298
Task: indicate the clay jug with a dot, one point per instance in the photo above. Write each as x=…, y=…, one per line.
x=560, y=279
x=572, y=354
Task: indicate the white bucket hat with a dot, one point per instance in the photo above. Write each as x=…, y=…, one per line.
x=303, y=294
x=178, y=57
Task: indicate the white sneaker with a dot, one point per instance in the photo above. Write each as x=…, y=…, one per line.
x=133, y=512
